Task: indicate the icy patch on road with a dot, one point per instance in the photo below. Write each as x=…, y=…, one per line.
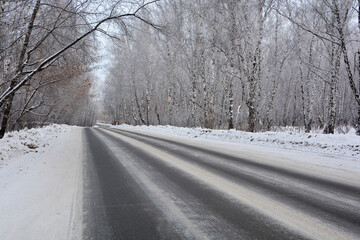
x=289, y=138
x=35, y=140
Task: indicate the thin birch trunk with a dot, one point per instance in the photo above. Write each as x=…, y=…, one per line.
x=270, y=116
x=335, y=61
x=136, y=98
x=304, y=102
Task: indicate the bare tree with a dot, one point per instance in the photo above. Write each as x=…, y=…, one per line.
x=32, y=59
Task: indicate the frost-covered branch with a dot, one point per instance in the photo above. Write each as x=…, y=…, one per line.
x=49, y=60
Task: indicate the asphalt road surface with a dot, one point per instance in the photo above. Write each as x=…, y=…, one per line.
x=138, y=186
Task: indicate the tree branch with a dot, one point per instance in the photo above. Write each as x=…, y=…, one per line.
x=48, y=61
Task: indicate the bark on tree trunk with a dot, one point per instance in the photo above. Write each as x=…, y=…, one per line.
x=335, y=61
x=304, y=103
x=255, y=75
x=193, y=110
x=147, y=95
x=231, y=105
x=6, y=116
x=252, y=112
x=157, y=115
x=230, y=84
x=136, y=97
x=309, y=96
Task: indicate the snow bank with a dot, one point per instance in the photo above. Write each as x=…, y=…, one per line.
x=288, y=138
x=18, y=143
x=41, y=192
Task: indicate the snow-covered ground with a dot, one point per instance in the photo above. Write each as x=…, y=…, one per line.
x=340, y=151
x=41, y=183
x=30, y=141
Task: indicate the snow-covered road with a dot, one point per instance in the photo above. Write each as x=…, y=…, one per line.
x=95, y=183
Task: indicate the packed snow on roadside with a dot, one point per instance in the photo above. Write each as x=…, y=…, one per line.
x=41, y=183
x=27, y=141
x=347, y=145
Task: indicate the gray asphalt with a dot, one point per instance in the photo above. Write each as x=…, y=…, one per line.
x=133, y=193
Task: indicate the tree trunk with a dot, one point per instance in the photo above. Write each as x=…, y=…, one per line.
x=147, y=96
x=136, y=97
x=233, y=35
x=157, y=114
x=309, y=96
x=6, y=116
x=304, y=103
x=347, y=65
x=193, y=106
x=270, y=117
x=255, y=73
x=231, y=105
x=335, y=62
x=252, y=112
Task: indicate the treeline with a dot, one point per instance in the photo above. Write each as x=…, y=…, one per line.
x=249, y=65
x=47, y=50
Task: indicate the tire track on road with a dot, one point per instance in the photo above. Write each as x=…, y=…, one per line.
x=352, y=218
x=332, y=206
x=246, y=222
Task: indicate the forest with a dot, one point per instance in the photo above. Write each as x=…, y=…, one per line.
x=220, y=64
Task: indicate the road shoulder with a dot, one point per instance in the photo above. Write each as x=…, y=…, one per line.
x=40, y=193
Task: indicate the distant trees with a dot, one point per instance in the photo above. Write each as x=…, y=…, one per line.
x=250, y=65
x=45, y=60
